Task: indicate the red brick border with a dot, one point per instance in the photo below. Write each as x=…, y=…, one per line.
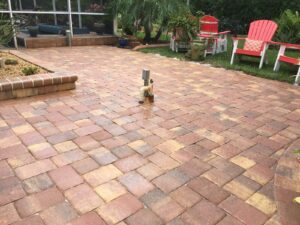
x=287, y=186
x=36, y=85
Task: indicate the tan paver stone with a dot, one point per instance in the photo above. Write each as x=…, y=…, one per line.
x=42, y=150
x=170, y=146
x=23, y=129
x=141, y=147
x=110, y=190
x=263, y=203
x=163, y=161
x=83, y=198
x=150, y=171
x=260, y=174
x=102, y=175
x=34, y=169
x=65, y=146
x=217, y=176
x=20, y=160
x=243, y=161
x=230, y=220
x=242, y=187
x=120, y=208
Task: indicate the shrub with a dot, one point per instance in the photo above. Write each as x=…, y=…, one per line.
x=30, y=70
x=289, y=27
x=11, y=62
x=6, y=30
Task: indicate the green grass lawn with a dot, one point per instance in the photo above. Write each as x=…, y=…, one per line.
x=246, y=64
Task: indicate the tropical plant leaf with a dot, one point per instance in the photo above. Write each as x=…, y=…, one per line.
x=297, y=200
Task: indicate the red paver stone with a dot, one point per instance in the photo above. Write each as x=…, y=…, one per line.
x=8, y=214
x=120, y=208
x=59, y=214
x=243, y=211
x=69, y=157
x=102, y=156
x=87, y=143
x=164, y=206
x=37, y=183
x=204, y=213
x=65, y=177
x=130, y=163
x=5, y=170
x=171, y=180
x=144, y=217
x=185, y=196
x=9, y=152
x=34, y=169
x=85, y=165
x=10, y=190
x=209, y=190
x=37, y=202
x=90, y=218
x=83, y=198
x=33, y=220
x=230, y=220
x=136, y=184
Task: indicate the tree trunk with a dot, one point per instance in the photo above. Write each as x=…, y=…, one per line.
x=158, y=34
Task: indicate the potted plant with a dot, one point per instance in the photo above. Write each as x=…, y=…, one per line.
x=184, y=27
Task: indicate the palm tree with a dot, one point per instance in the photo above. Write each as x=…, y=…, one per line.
x=146, y=13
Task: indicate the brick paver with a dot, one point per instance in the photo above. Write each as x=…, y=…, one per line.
x=204, y=153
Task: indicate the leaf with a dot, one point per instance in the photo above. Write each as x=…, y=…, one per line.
x=297, y=200
x=297, y=151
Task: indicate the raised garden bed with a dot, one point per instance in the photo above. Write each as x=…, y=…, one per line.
x=15, y=66
x=18, y=78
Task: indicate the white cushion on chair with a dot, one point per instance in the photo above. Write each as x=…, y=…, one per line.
x=253, y=45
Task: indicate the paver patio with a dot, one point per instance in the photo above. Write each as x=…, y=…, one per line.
x=203, y=154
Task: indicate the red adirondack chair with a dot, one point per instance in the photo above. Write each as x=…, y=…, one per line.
x=287, y=59
x=209, y=31
x=256, y=44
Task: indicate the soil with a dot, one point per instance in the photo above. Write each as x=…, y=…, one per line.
x=16, y=70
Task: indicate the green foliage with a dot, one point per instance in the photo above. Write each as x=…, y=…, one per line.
x=289, y=27
x=186, y=22
x=297, y=151
x=30, y=70
x=236, y=15
x=196, y=53
x=6, y=30
x=11, y=62
x=136, y=14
